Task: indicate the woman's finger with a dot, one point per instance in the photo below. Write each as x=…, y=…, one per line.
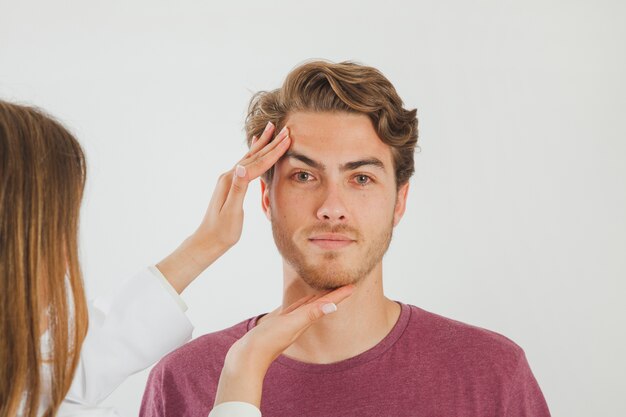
x=293, y=324
x=224, y=182
x=221, y=192
x=298, y=303
x=314, y=310
x=251, y=157
x=245, y=174
x=315, y=297
x=265, y=138
x=259, y=165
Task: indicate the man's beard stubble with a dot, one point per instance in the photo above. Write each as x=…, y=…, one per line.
x=332, y=273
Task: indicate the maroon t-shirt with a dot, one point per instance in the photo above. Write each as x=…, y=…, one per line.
x=427, y=365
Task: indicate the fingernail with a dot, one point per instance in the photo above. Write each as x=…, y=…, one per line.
x=329, y=308
x=268, y=126
x=253, y=140
x=283, y=130
x=240, y=171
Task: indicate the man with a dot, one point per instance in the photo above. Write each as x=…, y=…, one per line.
x=333, y=200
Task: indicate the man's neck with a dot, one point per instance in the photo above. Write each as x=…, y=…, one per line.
x=360, y=322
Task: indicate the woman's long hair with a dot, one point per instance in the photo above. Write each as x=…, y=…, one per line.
x=42, y=177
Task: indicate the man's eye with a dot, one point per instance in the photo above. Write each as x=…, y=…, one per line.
x=302, y=176
x=362, y=179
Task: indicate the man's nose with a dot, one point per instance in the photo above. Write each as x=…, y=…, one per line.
x=332, y=207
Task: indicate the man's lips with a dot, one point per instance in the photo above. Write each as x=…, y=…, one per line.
x=331, y=241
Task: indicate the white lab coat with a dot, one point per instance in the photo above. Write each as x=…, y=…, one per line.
x=128, y=331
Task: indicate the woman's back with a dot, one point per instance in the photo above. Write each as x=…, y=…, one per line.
x=42, y=176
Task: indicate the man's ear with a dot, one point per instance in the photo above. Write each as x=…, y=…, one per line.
x=398, y=211
x=265, y=199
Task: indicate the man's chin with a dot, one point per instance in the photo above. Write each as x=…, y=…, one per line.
x=323, y=287
x=327, y=279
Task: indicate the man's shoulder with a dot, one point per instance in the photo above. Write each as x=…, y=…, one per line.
x=185, y=379
x=206, y=350
x=461, y=340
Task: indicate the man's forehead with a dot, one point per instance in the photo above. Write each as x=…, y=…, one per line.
x=335, y=138
x=317, y=125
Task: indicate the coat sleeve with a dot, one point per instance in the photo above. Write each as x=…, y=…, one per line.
x=128, y=331
x=525, y=398
x=235, y=409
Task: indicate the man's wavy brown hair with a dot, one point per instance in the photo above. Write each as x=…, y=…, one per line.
x=323, y=86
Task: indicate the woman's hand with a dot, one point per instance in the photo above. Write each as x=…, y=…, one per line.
x=223, y=222
x=250, y=357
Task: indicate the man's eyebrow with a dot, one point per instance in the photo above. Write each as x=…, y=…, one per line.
x=374, y=162
x=348, y=166
x=305, y=159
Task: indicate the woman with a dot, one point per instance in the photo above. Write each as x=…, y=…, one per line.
x=43, y=312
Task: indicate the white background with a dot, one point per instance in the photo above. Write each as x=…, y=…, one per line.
x=515, y=218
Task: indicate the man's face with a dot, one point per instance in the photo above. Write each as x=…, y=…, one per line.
x=332, y=200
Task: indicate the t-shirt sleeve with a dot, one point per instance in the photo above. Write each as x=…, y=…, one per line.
x=525, y=398
x=155, y=399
